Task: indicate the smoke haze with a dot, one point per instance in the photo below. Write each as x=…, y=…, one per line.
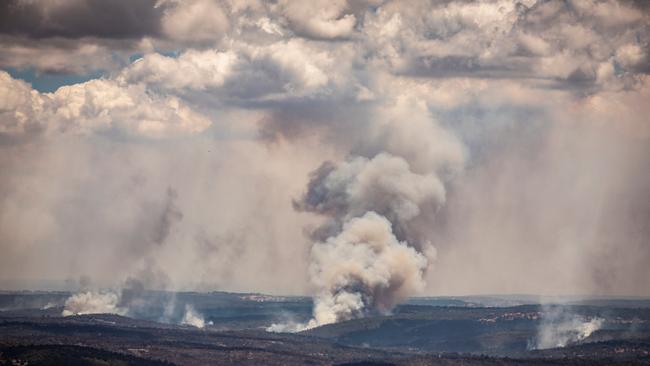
x=362, y=154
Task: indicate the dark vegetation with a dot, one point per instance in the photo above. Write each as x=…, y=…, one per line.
x=55, y=355
x=459, y=333
x=503, y=331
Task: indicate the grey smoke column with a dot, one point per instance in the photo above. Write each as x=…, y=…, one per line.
x=372, y=251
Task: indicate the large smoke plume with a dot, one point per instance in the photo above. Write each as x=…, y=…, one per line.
x=363, y=268
x=373, y=248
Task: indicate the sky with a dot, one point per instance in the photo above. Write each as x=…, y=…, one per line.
x=494, y=147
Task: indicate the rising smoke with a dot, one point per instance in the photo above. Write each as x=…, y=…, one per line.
x=373, y=249
x=137, y=303
x=93, y=302
x=363, y=269
x=191, y=317
x=132, y=296
x=560, y=327
x=161, y=159
x=142, y=294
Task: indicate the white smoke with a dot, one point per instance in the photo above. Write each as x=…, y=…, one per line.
x=364, y=267
x=373, y=251
x=111, y=302
x=560, y=328
x=192, y=318
x=93, y=302
x=286, y=327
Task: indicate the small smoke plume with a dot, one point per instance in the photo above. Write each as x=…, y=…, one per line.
x=140, y=296
x=287, y=322
x=49, y=305
x=133, y=297
x=92, y=302
x=560, y=328
x=192, y=318
x=371, y=253
x=135, y=301
x=286, y=327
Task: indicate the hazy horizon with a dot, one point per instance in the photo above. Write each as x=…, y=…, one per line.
x=62, y=286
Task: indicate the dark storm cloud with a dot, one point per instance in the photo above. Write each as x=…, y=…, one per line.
x=118, y=19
